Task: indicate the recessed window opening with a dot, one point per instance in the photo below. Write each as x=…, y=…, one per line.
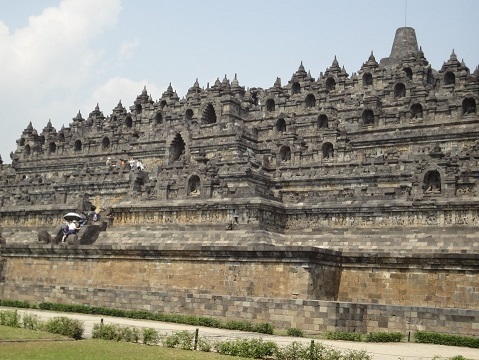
x=399, y=90
x=270, y=105
x=209, y=115
x=367, y=79
x=281, y=126
x=323, y=121
x=368, y=117
x=78, y=145
x=310, y=101
x=295, y=88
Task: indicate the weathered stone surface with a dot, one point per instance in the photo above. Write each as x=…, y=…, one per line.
x=338, y=190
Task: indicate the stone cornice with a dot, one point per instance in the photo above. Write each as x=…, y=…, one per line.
x=305, y=255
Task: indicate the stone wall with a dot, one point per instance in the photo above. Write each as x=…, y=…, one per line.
x=313, y=316
x=312, y=289
x=435, y=288
x=242, y=272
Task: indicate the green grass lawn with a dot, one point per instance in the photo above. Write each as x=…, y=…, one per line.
x=9, y=333
x=52, y=347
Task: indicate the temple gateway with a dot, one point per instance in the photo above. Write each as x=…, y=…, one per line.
x=344, y=202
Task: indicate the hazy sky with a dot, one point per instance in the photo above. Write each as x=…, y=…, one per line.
x=58, y=57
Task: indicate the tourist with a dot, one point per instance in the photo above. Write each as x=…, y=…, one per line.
x=72, y=228
x=132, y=163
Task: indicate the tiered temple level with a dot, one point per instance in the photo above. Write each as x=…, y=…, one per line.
x=348, y=201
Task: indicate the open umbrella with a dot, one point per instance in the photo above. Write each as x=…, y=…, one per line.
x=72, y=216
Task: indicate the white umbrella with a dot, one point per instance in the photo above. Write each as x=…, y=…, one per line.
x=72, y=216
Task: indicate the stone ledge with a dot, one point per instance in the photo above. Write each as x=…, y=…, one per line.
x=428, y=261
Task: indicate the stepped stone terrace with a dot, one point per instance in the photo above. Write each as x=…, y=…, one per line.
x=355, y=194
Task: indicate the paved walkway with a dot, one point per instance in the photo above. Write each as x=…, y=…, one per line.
x=379, y=351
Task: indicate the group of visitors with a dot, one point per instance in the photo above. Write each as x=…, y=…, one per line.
x=132, y=163
x=136, y=164
x=73, y=224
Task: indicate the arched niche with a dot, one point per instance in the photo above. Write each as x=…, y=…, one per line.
x=330, y=84
x=42, y=140
x=327, y=150
x=270, y=105
x=209, y=115
x=323, y=121
x=310, y=101
x=129, y=121
x=189, y=114
x=416, y=111
x=163, y=104
x=194, y=186
x=367, y=79
x=368, y=117
x=22, y=142
x=280, y=126
x=295, y=88
x=158, y=118
x=61, y=137
x=399, y=90
x=468, y=106
x=432, y=182
x=78, y=145
x=449, y=78
x=52, y=148
x=177, y=148
x=285, y=153
x=105, y=143
x=27, y=150
x=408, y=73
x=138, y=108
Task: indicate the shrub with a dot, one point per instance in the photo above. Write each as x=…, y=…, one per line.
x=15, y=303
x=204, y=345
x=263, y=328
x=106, y=332
x=341, y=335
x=10, y=318
x=65, y=326
x=115, y=332
x=356, y=355
x=238, y=325
x=182, y=339
x=317, y=351
x=209, y=322
x=445, y=339
x=130, y=334
x=249, y=348
x=292, y=351
x=31, y=322
x=384, y=337
x=150, y=336
x=295, y=332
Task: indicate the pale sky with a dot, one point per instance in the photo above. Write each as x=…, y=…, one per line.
x=58, y=57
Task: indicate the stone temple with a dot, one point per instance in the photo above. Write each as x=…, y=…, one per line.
x=344, y=202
